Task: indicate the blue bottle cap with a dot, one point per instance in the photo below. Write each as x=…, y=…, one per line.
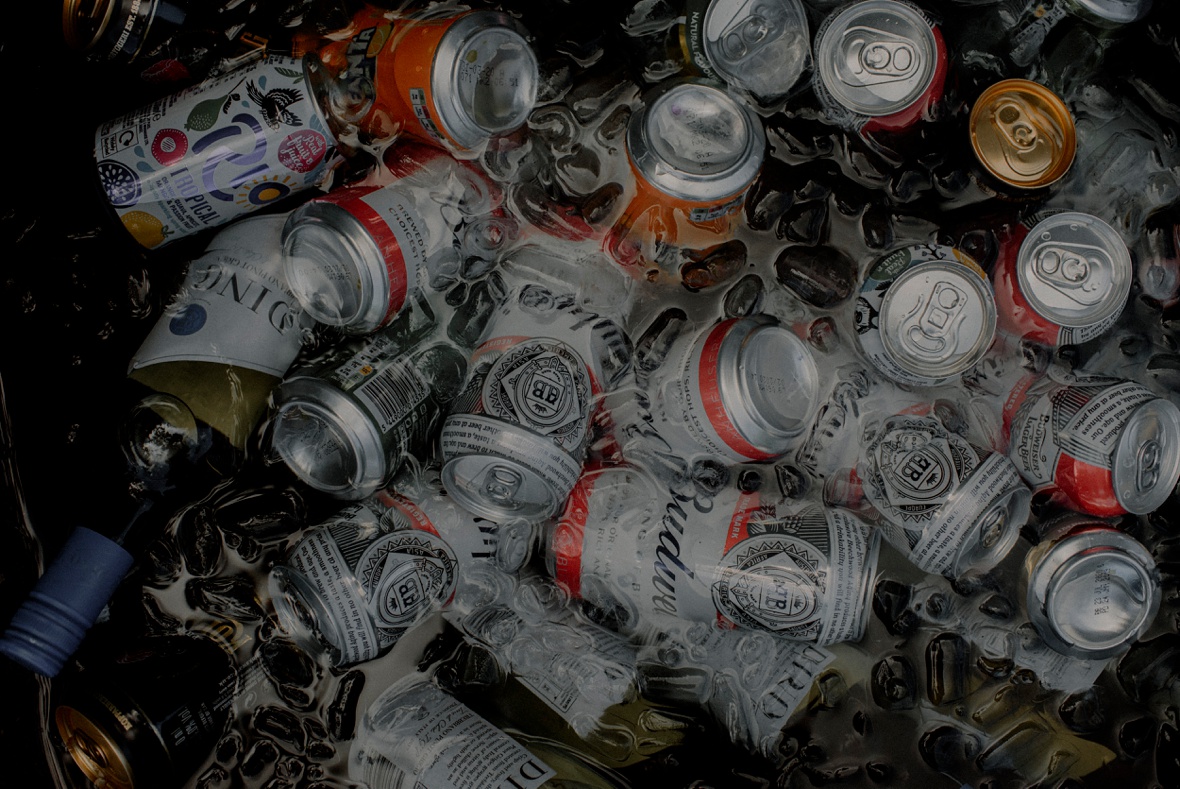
x=50, y=624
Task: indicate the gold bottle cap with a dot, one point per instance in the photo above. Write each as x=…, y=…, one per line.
x=93, y=750
x=1023, y=133
x=83, y=21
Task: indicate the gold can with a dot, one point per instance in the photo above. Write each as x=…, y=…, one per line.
x=1023, y=135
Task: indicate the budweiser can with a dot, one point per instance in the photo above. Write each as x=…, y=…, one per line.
x=515, y=439
x=744, y=390
x=947, y=505
x=1100, y=445
x=880, y=65
x=1023, y=137
x=1092, y=590
x=1063, y=279
x=658, y=557
x=925, y=314
x=353, y=585
x=694, y=151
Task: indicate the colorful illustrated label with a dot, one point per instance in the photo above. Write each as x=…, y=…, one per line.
x=213, y=152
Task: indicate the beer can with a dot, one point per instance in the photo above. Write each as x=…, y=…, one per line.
x=656, y=557
x=1062, y=279
x=350, y=587
x=925, y=314
x=950, y=507
x=119, y=30
x=881, y=65
x=214, y=152
x=1023, y=137
x=515, y=439
x=1101, y=445
x=694, y=151
x=1092, y=590
x=345, y=424
x=744, y=390
x=755, y=46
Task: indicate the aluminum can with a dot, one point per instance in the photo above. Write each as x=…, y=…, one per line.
x=759, y=47
x=925, y=314
x=1092, y=590
x=655, y=557
x=1062, y=279
x=346, y=424
x=950, y=507
x=1037, y=20
x=1100, y=445
x=515, y=439
x=1023, y=137
x=744, y=389
x=214, y=152
x=353, y=585
x=694, y=151
x=881, y=65
x=119, y=30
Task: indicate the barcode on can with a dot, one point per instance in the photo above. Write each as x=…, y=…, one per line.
x=393, y=394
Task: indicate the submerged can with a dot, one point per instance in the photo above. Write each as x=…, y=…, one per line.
x=1093, y=443
x=950, y=507
x=657, y=557
x=119, y=30
x=881, y=65
x=744, y=390
x=1023, y=137
x=214, y=152
x=925, y=314
x=1063, y=278
x=515, y=439
x=694, y=151
x=1092, y=590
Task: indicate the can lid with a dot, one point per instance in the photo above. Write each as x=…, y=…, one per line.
x=937, y=319
x=995, y=531
x=1093, y=562
x=84, y=21
x=695, y=142
x=759, y=45
x=1118, y=11
x=1074, y=269
x=1146, y=462
x=776, y=383
x=877, y=57
x=1022, y=133
x=304, y=616
x=496, y=487
x=97, y=754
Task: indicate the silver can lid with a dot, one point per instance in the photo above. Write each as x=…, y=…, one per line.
x=994, y=532
x=1093, y=593
x=696, y=142
x=1146, y=460
x=877, y=57
x=937, y=319
x=1120, y=12
x=1074, y=270
x=774, y=382
x=760, y=45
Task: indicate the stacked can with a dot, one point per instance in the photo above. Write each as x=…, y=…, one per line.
x=516, y=437
x=925, y=314
x=654, y=557
x=881, y=66
x=1097, y=444
x=694, y=151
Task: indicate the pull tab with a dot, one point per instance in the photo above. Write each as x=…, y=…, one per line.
x=1147, y=465
x=1080, y=272
x=745, y=36
x=930, y=329
x=1026, y=148
x=501, y=484
x=875, y=57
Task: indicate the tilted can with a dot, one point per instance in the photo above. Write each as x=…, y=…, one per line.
x=1062, y=278
x=1093, y=443
x=120, y=31
x=656, y=558
x=515, y=439
x=1092, y=590
x=881, y=65
x=1035, y=22
x=744, y=390
x=694, y=151
x=950, y=507
x=925, y=314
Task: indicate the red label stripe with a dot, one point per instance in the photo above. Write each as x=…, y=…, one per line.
x=711, y=401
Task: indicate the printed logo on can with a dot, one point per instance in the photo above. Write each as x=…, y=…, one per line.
x=543, y=385
x=773, y=582
x=303, y=151
x=914, y=466
x=404, y=575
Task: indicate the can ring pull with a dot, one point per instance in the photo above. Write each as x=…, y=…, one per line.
x=929, y=327
x=1026, y=150
x=746, y=36
x=876, y=57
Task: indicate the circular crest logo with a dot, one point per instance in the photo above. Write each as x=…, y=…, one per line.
x=774, y=583
x=405, y=575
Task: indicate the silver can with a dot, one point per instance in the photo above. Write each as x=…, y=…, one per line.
x=1092, y=589
x=925, y=314
x=515, y=439
x=658, y=558
x=948, y=506
x=744, y=390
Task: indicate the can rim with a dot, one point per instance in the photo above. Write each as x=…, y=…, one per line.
x=1146, y=424
x=1016, y=501
x=774, y=438
x=797, y=23
x=1053, y=103
x=85, y=21
x=111, y=767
